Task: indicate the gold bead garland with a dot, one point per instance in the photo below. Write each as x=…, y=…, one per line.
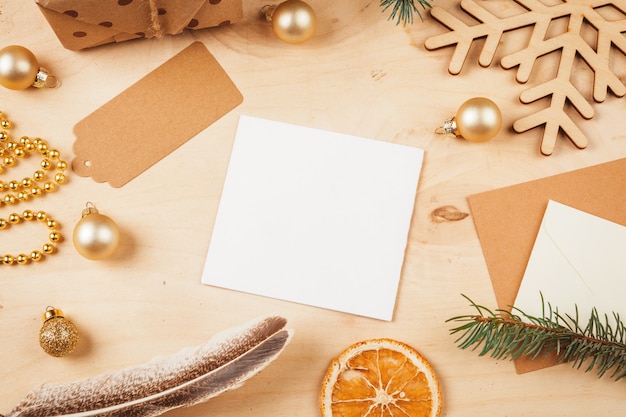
x=35, y=255
x=15, y=191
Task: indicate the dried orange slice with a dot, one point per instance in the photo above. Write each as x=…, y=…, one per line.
x=380, y=378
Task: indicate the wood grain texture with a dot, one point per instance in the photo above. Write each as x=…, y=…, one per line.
x=360, y=75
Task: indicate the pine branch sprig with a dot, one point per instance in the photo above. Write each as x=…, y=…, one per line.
x=503, y=334
x=403, y=10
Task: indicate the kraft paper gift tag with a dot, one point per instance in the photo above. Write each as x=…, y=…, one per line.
x=508, y=219
x=191, y=88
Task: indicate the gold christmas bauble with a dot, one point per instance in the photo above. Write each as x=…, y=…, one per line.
x=95, y=236
x=58, y=336
x=294, y=21
x=478, y=120
x=18, y=67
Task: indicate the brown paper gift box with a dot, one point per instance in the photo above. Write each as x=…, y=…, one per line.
x=81, y=24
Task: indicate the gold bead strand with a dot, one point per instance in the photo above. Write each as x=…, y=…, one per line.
x=40, y=182
x=35, y=255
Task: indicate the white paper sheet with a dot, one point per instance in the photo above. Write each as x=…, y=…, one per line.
x=314, y=217
x=578, y=260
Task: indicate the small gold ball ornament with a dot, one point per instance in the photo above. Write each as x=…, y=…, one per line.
x=95, y=236
x=19, y=69
x=477, y=120
x=293, y=21
x=58, y=336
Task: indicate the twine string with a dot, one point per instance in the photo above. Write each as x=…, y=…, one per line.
x=155, y=23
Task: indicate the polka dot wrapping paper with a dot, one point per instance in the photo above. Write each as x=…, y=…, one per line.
x=81, y=24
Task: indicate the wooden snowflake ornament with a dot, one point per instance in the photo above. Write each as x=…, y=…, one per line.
x=570, y=44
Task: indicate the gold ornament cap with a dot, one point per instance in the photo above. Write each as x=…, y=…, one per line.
x=51, y=313
x=45, y=79
x=90, y=208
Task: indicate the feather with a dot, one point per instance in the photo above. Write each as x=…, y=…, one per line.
x=188, y=377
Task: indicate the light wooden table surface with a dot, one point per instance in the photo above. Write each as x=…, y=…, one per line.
x=360, y=75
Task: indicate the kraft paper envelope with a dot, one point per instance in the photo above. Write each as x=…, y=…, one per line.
x=577, y=262
x=507, y=221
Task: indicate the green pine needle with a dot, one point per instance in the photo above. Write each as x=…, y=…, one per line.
x=503, y=334
x=403, y=10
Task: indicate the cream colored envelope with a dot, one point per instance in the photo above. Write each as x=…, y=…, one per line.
x=578, y=260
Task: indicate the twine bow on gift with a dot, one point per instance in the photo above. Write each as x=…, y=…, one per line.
x=155, y=25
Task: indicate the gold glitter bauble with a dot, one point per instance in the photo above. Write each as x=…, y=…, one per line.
x=58, y=336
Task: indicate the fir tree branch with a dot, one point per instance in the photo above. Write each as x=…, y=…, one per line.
x=503, y=334
x=403, y=10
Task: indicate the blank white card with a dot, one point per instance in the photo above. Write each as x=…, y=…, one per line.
x=314, y=217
